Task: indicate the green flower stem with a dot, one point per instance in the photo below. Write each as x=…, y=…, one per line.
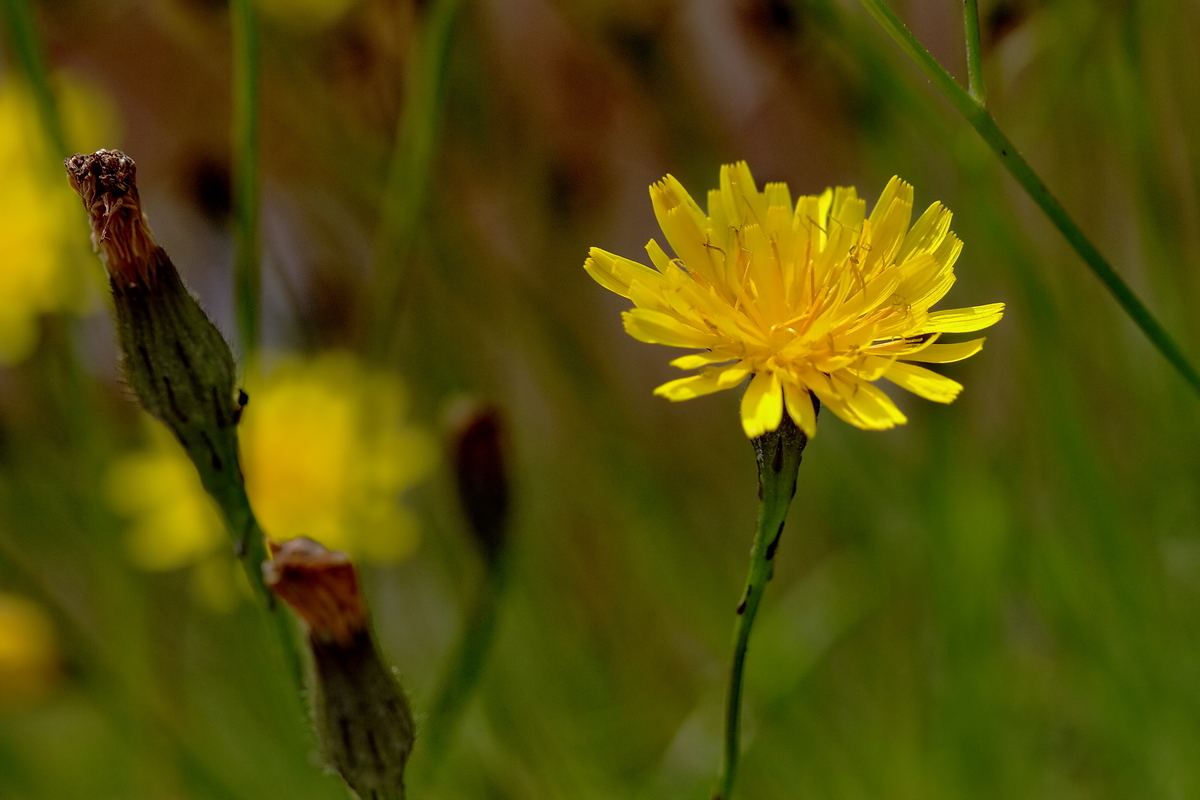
x=778, y=454
x=407, y=187
x=465, y=666
x=250, y=544
x=27, y=47
x=985, y=125
x=247, y=276
x=975, y=85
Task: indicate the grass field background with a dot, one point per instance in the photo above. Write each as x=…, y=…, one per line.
x=999, y=600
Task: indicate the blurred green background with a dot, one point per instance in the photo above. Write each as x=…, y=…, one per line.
x=1000, y=600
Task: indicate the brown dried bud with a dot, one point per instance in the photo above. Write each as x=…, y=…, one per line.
x=320, y=585
x=106, y=182
x=175, y=359
x=362, y=717
x=481, y=476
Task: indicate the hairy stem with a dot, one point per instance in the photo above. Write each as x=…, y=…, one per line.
x=779, y=454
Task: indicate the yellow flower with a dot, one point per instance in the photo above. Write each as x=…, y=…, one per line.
x=173, y=521
x=326, y=453
x=30, y=664
x=812, y=299
x=39, y=215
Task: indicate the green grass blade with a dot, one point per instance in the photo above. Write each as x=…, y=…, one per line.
x=247, y=276
x=975, y=84
x=1019, y=168
x=410, y=169
x=27, y=49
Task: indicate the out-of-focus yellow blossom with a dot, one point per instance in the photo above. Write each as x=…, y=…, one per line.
x=809, y=299
x=40, y=222
x=30, y=664
x=173, y=520
x=326, y=453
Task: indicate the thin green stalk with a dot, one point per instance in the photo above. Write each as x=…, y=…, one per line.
x=465, y=666
x=409, y=172
x=778, y=456
x=975, y=83
x=983, y=123
x=27, y=47
x=251, y=545
x=247, y=276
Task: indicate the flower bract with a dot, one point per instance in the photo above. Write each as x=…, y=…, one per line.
x=808, y=299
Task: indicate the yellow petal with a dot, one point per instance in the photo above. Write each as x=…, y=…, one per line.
x=778, y=195
x=713, y=380
x=615, y=273
x=682, y=222
x=945, y=353
x=799, y=403
x=873, y=410
x=743, y=202
x=762, y=405
x=927, y=233
x=697, y=360
x=924, y=383
x=655, y=327
x=964, y=320
x=828, y=392
x=896, y=189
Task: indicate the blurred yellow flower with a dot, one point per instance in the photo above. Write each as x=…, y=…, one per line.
x=40, y=220
x=812, y=299
x=173, y=521
x=30, y=664
x=326, y=454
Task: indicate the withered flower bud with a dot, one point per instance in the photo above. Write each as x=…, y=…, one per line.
x=362, y=717
x=481, y=476
x=175, y=359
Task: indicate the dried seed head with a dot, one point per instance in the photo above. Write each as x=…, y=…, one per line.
x=362, y=717
x=320, y=585
x=106, y=182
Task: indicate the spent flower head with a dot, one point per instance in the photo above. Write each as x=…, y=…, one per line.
x=812, y=299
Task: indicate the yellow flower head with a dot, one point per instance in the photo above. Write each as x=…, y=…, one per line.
x=30, y=663
x=326, y=452
x=39, y=221
x=811, y=299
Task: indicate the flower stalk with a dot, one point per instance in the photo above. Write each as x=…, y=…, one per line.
x=778, y=454
x=483, y=492
x=175, y=360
